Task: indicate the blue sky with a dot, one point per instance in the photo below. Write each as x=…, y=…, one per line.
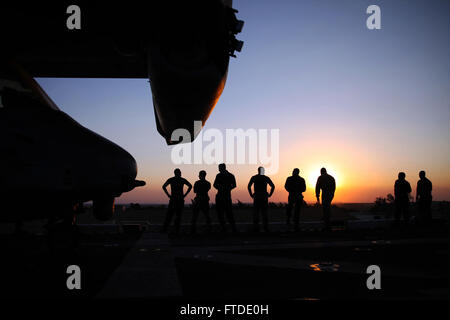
x=368, y=102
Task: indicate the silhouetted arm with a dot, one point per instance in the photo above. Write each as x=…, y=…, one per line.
x=417, y=190
x=286, y=185
x=165, y=188
x=196, y=187
x=303, y=186
x=189, y=185
x=395, y=190
x=216, y=185
x=318, y=190
x=333, y=185
x=272, y=187
x=249, y=187
x=233, y=182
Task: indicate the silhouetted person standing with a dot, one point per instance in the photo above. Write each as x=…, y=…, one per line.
x=402, y=189
x=224, y=183
x=176, y=202
x=295, y=185
x=327, y=184
x=260, y=198
x=201, y=201
x=424, y=198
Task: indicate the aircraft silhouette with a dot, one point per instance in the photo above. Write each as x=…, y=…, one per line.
x=50, y=163
x=183, y=47
x=49, y=159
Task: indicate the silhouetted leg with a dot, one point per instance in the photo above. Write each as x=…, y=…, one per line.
x=178, y=212
x=230, y=217
x=428, y=216
x=207, y=217
x=221, y=214
x=195, y=212
x=177, y=222
x=265, y=219
x=421, y=208
x=425, y=210
x=398, y=213
x=406, y=213
x=420, y=216
x=288, y=212
x=326, y=214
x=256, y=209
x=169, y=215
x=297, y=215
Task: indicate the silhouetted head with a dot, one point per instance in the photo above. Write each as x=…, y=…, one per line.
x=202, y=174
x=422, y=174
x=401, y=175
x=222, y=167
x=323, y=171
x=177, y=172
x=260, y=170
x=295, y=172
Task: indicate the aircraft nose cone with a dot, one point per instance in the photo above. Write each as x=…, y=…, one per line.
x=126, y=167
x=117, y=166
x=126, y=164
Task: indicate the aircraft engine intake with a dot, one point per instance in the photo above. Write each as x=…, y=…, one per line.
x=188, y=64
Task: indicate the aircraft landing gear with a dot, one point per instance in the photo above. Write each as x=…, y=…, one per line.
x=62, y=234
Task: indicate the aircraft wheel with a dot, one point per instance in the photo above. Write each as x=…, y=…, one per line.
x=63, y=236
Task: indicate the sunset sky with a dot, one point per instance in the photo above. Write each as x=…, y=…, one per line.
x=365, y=104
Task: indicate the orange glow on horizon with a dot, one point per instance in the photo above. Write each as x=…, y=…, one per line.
x=357, y=171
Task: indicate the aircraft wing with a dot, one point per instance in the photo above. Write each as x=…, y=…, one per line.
x=183, y=47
